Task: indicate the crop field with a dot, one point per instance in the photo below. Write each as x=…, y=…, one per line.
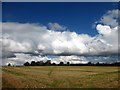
x=60, y=77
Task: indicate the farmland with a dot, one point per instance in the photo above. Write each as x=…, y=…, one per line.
x=60, y=77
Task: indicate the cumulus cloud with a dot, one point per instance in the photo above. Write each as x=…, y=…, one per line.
x=15, y=46
x=56, y=26
x=39, y=40
x=19, y=37
x=105, y=30
x=58, y=42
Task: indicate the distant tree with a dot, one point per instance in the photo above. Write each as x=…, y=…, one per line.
x=41, y=63
x=26, y=64
x=33, y=63
x=116, y=63
x=89, y=63
x=53, y=64
x=61, y=63
x=37, y=63
x=97, y=63
x=48, y=62
x=9, y=64
x=68, y=63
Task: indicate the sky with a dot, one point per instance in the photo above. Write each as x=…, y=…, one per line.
x=78, y=17
x=75, y=31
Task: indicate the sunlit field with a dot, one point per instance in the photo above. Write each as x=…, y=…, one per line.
x=60, y=77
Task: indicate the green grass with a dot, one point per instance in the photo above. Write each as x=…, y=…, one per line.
x=60, y=77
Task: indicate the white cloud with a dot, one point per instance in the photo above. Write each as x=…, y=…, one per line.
x=103, y=29
x=56, y=26
x=26, y=39
x=14, y=46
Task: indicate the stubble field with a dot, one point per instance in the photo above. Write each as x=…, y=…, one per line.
x=60, y=77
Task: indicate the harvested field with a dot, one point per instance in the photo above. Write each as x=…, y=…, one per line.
x=60, y=77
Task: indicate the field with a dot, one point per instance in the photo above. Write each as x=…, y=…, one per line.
x=60, y=77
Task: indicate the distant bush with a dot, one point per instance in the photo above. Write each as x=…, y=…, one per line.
x=61, y=64
x=9, y=64
x=48, y=63
x=27, y=64
x=33, y=63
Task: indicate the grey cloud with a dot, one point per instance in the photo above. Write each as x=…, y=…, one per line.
x=73, y=59
x=110, y=18
x=56, y=26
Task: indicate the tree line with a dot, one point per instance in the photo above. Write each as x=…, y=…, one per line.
x=48, y=63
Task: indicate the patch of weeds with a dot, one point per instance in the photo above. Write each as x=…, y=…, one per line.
x=50, y=72
x=79, y=85
x=87, y=71
x=54, y=84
